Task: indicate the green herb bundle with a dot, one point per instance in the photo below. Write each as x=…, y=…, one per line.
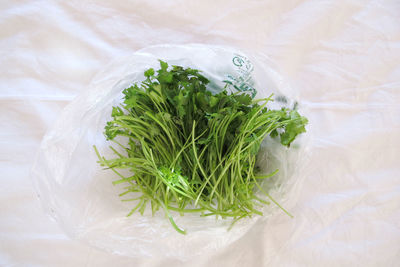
x=192, y=151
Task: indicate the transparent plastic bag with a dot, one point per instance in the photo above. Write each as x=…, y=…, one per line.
x=79, y=194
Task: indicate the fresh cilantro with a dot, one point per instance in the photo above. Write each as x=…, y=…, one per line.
x=193, y=151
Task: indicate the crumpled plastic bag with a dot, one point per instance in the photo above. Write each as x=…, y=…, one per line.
x=79, y=194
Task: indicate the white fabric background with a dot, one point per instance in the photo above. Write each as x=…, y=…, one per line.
x=343, y=57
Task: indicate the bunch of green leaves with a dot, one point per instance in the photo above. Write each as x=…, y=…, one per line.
x=189, y=150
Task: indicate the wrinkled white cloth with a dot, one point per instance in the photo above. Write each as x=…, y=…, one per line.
x=342, y=58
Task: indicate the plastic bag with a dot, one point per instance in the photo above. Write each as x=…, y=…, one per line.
x=79, y=194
